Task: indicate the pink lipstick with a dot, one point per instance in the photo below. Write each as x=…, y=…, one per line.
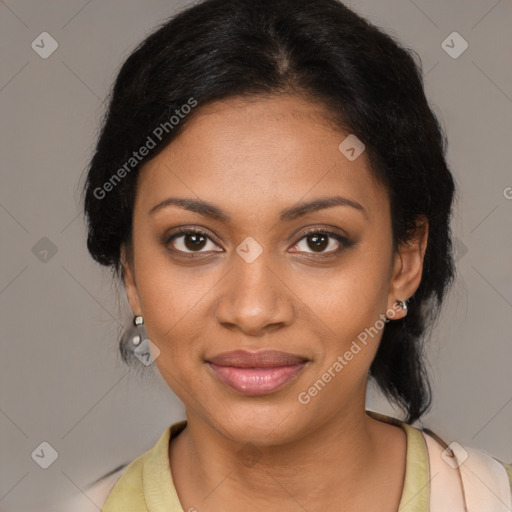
x=256, y=373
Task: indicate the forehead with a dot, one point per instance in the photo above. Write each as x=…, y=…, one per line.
x=259, y=153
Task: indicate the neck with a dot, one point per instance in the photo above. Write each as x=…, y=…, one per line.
x=340, y=454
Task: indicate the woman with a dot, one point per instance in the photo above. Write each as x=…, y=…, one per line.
x=270, y=185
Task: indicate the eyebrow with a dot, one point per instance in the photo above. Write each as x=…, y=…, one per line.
x=288, y=214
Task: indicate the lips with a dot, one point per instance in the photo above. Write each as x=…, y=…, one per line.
x=256, y=373
x=265, y=359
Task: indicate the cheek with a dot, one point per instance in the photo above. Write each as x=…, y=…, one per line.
x=171, y=307
x=181, y=351
x=346, y=308
x=349, y=297
x=167, y=293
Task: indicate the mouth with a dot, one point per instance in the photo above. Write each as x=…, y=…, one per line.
x=256, y=373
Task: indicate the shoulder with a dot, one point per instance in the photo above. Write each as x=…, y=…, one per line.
x=123, y=487
x=126, y=491
x=468, y=474
x=508, y=469
x=146, y=483
x=95, y=495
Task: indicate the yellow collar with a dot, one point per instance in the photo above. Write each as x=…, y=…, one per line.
x=148, y=478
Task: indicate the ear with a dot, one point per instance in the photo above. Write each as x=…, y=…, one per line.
x=408, y=267
x=130, y=286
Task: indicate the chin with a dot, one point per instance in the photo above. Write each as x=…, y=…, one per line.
x=260, y=423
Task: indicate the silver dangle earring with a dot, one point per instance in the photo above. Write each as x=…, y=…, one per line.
x=140, y=342
x=138, y=321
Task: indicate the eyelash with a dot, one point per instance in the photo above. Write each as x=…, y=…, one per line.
x=344, y=242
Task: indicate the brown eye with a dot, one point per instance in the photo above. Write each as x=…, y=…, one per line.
x=318, y=242
x=190, y=240
x=194, y=241
x=321, y=242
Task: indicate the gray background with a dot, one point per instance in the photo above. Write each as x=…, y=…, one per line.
x=61, y=379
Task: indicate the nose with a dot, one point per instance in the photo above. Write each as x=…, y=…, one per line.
x=254, y=298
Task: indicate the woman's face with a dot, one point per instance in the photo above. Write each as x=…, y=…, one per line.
x=256, y=281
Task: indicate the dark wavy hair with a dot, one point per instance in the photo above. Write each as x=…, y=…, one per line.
x=369, y=84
